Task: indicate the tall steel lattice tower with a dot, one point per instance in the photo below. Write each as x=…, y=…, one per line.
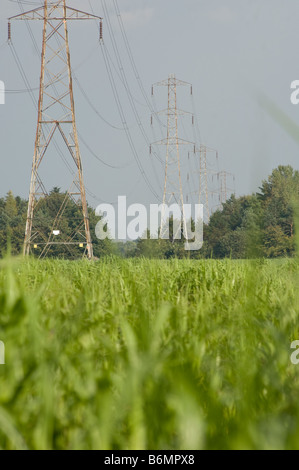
x=203, y=181
x=56, y=114
x=173, y=190
x=224, y=190
x=204, y=173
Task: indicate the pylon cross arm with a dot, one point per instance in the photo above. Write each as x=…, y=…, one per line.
x=174, y=112
x=173, y=139
x=39, y=14
x=175, y=82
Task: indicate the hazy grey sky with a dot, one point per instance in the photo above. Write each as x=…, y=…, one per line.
x=229, y=50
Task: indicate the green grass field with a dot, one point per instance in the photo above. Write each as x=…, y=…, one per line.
x=141, y=354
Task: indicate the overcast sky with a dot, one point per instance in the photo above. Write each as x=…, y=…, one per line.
x=229, y=50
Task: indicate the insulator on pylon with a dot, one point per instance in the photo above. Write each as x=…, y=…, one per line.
x=9, y=31
x=150, y=149
x=101, y=30
x=151, y=120
x=152, y=91
x=192, y=119
x=191, y=90
x=194, y=149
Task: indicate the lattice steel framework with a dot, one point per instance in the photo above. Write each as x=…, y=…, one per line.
x=224, y=190
x=56, y=114
x=173, y=190
x=204, y=173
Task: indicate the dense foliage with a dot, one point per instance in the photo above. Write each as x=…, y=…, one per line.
x=258, y=225
x=13, y=213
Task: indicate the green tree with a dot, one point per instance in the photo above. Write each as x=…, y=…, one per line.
x=230, y=230
x=278, y=195
x=11, y=208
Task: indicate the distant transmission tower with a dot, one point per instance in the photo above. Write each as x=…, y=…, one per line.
x=173, y=191
x=224, y=191
x=56, y=112
x=222, y=177
x=204, y=171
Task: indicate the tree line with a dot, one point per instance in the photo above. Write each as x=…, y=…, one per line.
x=258, y=225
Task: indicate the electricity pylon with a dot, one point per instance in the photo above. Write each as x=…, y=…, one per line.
x=56, y=112
x=223, y=190
x=173, y=191
x=204, y=172
x=222, y=177
x=203, y=181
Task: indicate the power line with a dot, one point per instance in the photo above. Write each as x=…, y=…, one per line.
x=94, y=108
x=99, y=158
x=23, y=74
x=123, y=74
x=133, y=63
x=120, y=110
x=123, y=119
